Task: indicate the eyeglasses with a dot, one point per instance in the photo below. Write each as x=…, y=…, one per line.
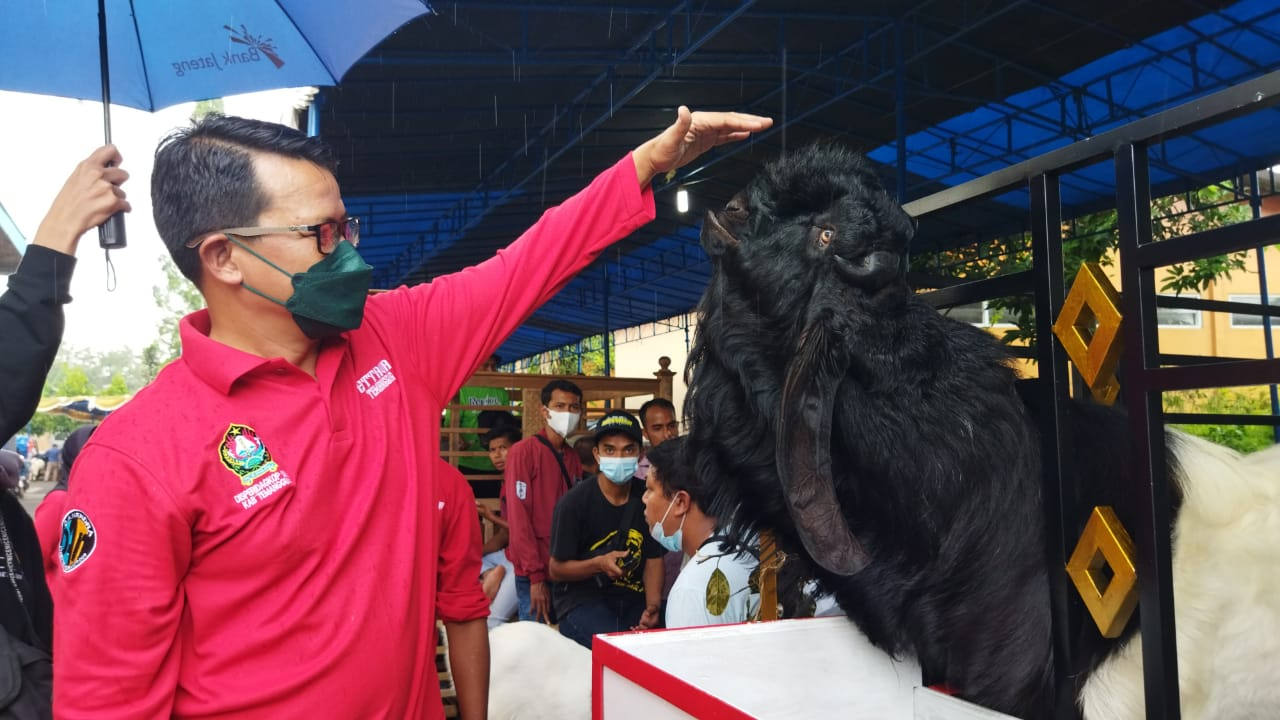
x=327, y=234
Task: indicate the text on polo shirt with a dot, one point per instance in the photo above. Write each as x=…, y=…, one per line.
x=263, y=489
x=376, y=380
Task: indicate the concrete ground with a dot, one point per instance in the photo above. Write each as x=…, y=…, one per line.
x=35, y=493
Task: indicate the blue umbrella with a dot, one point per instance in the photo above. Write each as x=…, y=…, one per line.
x=150, y=54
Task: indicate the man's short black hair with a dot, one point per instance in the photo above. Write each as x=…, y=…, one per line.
x=495, y=418
x=500, y=424
x=673, y=472
x=510, y=432
x=562, y=386
x=203, y=179
x=656, y=403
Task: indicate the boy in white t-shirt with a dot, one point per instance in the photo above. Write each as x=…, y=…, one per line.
x=716, y=586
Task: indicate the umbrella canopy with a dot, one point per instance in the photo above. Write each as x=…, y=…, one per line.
x=83, y=407
x=164, y=52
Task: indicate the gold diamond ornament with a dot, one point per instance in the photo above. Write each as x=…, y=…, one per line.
x=1105, y=545
x=1089, y=329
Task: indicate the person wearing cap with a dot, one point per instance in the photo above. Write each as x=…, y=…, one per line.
x=605, y=567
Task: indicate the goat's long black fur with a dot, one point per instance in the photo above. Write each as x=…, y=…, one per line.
x=935, y=458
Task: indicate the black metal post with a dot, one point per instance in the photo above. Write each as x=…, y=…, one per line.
x=1255, y=204
x=1146, y=428
x=900, y=104
x=1061, y=496
x=608, y=367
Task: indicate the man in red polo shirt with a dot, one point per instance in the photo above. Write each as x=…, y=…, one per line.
x=265, y=530
x=540, y=470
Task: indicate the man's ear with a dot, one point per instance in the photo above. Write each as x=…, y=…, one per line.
x=218, y=261
x=683, y=502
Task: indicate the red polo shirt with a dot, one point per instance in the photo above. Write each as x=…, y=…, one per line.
x=244, y=540
x=531, y=485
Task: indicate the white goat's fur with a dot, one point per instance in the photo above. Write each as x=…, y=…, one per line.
x=1226, y=595
x=535, y=673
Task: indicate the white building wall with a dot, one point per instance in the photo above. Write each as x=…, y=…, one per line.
x=637, y=349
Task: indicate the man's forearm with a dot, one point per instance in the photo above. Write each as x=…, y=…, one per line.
x=498, y=540
x=469, y=660
x=573, y=570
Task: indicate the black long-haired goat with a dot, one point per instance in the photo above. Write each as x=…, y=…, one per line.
x=889, y=447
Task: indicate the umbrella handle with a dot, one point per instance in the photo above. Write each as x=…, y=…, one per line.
x=111, y=233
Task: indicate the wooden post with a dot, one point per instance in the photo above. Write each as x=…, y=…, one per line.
x=769, y=558
x=664, y=374
x=530, y=416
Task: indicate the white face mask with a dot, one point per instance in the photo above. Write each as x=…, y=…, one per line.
x=562, y=422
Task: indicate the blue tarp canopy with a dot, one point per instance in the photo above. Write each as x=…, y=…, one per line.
x=456, y=133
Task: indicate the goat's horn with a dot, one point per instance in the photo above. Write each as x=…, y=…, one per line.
x=804, y=453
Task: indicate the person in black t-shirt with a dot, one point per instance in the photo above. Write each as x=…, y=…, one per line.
x=607, y=570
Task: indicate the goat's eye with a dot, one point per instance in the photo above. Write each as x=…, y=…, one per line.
x=823, y=236
x=735, y=208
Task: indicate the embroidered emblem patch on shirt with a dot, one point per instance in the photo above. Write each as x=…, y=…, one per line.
x=243, y=453
x=522, y=489
x=79, y=538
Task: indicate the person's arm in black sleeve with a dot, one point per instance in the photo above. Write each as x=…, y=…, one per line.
x=31, y=326
x=31, y=318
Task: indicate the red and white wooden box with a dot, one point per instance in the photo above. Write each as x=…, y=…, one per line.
x=811, y=668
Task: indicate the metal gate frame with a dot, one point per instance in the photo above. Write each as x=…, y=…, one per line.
x=1146, y=373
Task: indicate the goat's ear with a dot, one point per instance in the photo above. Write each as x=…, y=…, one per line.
x=716, y=238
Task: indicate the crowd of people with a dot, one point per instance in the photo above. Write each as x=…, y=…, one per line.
x=604, y=550
x=268, y=529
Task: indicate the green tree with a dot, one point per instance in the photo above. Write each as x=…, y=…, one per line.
x=565, y=360
x=117, y=386
x=1230, y=401
x=1095, y=238
x=75, y=382
x=177, y=298
x=78, y=371
x=204, y=107
x=72, y=381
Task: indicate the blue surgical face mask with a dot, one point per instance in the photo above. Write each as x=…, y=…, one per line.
x=619, y=469
x=671, y=542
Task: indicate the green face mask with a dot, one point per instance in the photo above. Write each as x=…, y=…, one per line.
x=328, y=298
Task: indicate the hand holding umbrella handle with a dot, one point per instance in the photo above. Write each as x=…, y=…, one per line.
x=92, y=196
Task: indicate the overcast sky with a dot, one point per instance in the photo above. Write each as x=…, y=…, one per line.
x=41, y=140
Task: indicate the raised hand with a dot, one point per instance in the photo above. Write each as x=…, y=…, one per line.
x=692, y=134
